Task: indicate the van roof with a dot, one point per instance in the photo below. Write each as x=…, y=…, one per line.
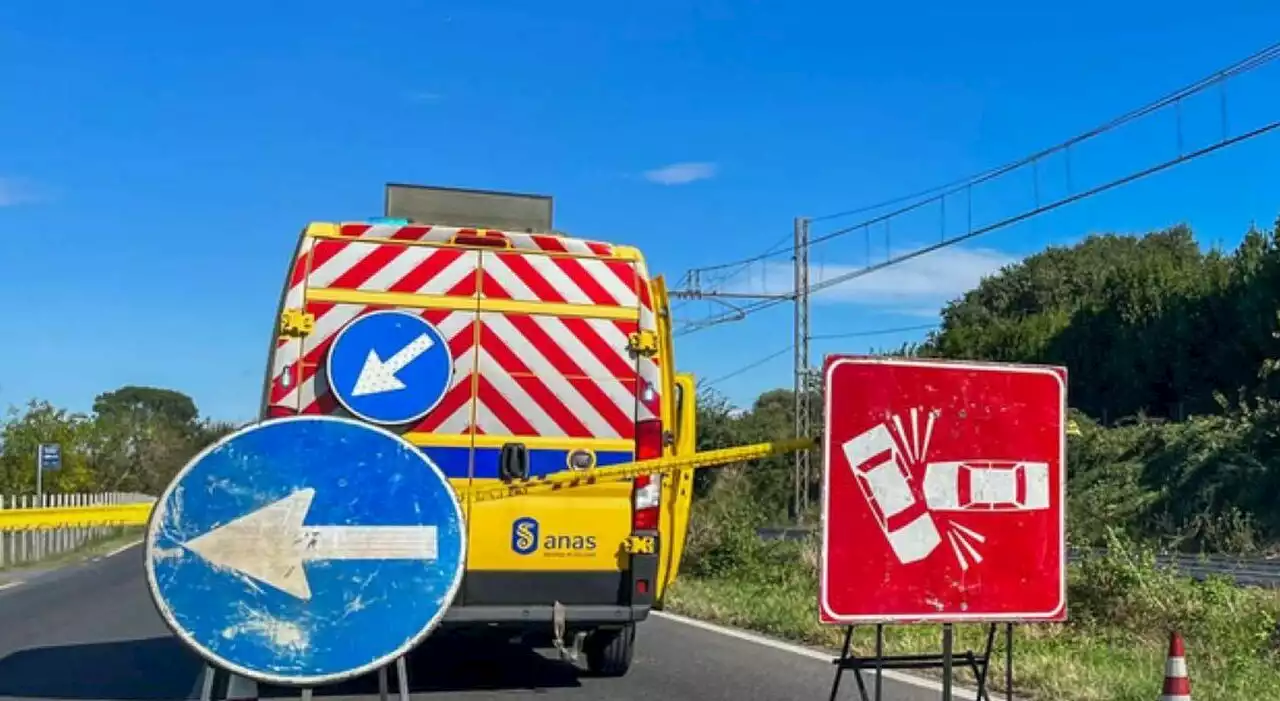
x=470, y=237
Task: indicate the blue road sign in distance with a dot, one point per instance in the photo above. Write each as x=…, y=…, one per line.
x=305, y=550
x=50, y=456
x=390, y=367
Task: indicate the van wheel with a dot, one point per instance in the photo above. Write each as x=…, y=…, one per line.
x=610, y=650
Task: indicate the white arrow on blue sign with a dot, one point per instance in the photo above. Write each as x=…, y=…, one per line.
x=390, y=367
x=306, y=550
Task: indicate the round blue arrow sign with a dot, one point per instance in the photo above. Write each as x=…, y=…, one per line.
x=305, y=550
x=390, y=367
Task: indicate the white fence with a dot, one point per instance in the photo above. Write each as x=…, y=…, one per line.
x=23, y=548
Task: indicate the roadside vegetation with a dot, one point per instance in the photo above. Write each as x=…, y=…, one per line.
x=1112, y=648
x=134, y=440
x=1172, y=352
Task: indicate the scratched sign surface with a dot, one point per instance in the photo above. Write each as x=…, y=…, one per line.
x=944, y=492
x=303, y=551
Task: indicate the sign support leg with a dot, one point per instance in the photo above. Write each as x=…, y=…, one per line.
x=879, y=660
x=981, y=666
x=402, y=678
x=206, y=686
x=1008, y=662
x=946, y=662
x=402, y=681
x=848, y=660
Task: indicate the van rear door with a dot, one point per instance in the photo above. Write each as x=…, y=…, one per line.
x=350, y=270
x=677, y=414
x=556, y=375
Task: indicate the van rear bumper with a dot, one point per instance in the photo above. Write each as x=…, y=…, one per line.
x=518, y=615
x=520, y=599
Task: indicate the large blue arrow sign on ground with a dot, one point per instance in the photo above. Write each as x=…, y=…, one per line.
x=306, y=550
x=389, y=367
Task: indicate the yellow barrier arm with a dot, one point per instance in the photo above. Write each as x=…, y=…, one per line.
x=138, y=514
x=74, y=516
x=615, y=473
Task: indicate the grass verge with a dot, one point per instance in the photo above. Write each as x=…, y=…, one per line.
x=1121, y=607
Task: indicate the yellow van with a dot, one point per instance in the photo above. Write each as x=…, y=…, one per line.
x=562, y=360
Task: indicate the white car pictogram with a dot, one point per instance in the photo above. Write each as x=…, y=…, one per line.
x=987, y=485
x=885, y=483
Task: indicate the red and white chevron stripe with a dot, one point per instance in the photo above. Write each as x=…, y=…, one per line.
x=366, y=267
x=445, y=234
x=535, y=374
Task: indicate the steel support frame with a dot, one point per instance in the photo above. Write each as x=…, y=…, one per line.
x=978, y=664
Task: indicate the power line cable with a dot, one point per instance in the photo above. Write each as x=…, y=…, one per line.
x=875, y=332
x=748, y=367
x=1246, y=64
x=853, y=334
x=743, y=311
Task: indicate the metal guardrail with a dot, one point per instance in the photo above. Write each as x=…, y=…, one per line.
x=1245, y=571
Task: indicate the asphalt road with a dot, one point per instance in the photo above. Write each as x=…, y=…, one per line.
x=89, y=633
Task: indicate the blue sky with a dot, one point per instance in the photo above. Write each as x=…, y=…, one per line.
x=157, y=163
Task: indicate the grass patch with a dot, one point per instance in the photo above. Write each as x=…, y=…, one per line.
x=115, y=538
x=1121, y=609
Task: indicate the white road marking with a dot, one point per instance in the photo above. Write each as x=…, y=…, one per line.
x=827, y=657
x=10, y=585
x=121, y=549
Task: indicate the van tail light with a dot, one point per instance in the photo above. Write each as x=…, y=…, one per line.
x=647, y=489
x=490, y=239
x=649, y=439
x=646, y=492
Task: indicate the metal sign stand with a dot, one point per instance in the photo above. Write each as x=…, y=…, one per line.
x=979, y=664
x=237, y=688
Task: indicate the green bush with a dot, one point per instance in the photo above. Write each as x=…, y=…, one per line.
x=1206, y=484
x=1123, y=592
x=1121, y=609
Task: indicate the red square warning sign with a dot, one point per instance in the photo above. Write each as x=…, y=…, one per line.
x=944, y=492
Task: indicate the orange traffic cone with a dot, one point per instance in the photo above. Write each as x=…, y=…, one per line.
x=1177, y=685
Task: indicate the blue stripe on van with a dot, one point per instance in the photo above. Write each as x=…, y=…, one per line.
x=453, y=461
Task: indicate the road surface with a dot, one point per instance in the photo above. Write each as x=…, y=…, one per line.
x=90, y=633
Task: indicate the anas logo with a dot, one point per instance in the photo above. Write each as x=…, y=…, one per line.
x=524, y=535
x=527, y=538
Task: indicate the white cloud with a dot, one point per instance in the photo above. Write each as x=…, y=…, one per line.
x=681, y=173
x=15, y=191
x=916, y=287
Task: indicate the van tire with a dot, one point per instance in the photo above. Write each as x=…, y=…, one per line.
x=610, y=650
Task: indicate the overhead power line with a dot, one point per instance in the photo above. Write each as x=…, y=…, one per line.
x=749, y=366
x=876, y=332
x=940, y=192
x=743, y=311
x=821, y=337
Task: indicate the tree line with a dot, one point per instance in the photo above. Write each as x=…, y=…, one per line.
x=1152, y=326
x=1172, y=352
x=133, y=440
